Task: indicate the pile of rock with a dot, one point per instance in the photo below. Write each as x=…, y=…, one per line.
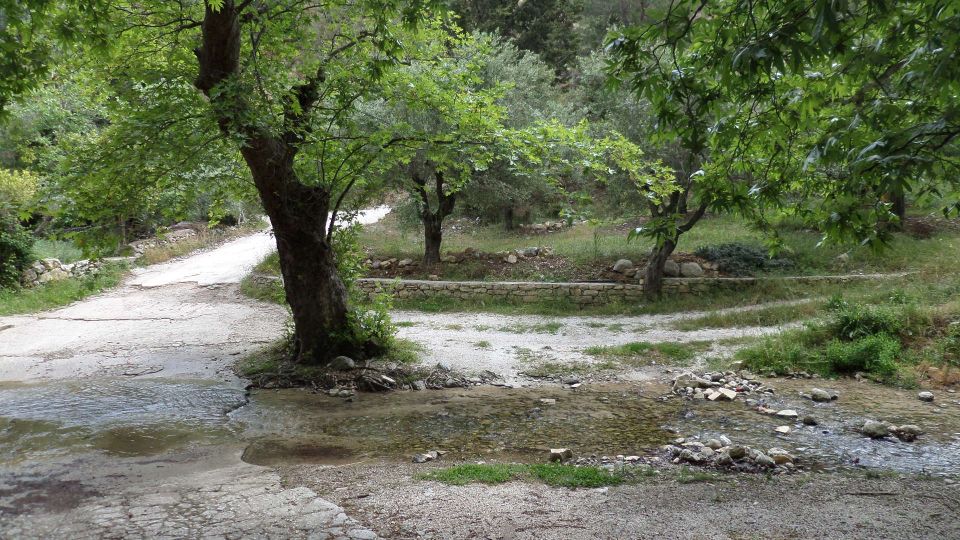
x=879, y=430
x=47, y=270
x=718, y=385
x=723, y=454
x=543, y=228
x=178, y=233
x=670, y=269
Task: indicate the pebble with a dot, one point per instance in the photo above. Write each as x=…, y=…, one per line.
x=925, y=396
x=809, y=420
x=785, y=430
x=787, y=413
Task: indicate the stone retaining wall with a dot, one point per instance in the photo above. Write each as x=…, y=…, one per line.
x=47, y=270
x=579, y=293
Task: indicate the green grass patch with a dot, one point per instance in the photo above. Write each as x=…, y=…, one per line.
x=552, y=474
x=64, y=250
x=882, y=337
x=461, y=475
x=59, y=293
x=542, y=328
x=482, y=344
x=571, y=476
x=769, y=316
x=644, y=352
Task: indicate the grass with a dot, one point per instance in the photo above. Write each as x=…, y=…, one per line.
x=587, y=243
x=64, y=250
x=644, y=352
x=482, y=344
x=769, y=316
x=542, y=328
x=895, y=336
x=59, y=293
x=552, y=474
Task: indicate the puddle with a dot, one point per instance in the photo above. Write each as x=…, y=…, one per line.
x=117, y=416
x=464, y=423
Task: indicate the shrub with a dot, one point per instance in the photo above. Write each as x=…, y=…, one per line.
x=876, y=354
x=18, y=188
x=16, y=246
x=851, y=322
x=741, y=259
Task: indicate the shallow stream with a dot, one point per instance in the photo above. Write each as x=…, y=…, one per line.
x=145, y=417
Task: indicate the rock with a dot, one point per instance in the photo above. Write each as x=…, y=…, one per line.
x=511, y=259
x=925, y=396
x=707, y=452
x=908, y=432
x=341, y=363
x=691, y=269
x=560, y=455
x=764, y=460
x=548, y=401
x=29, y=276
x=671, y=269
x=345, y=393
x=874, y=429
x=725, y=440
x=785, y=430
x=787, y=413
x=737, y=452
x=449, y=259
x=622, y=266
x=50, y=264
x=423, y=458
x=419, y=385
x=820, y=395
x=571, y=380
x=386, y=265
x=433, y=277
x=405, y=263
x=809, y=420
x=727, y=393
x=690, y=456
x=689, y=379
x=376, y=265
x=723, y=459
x=714, y=444
x=780, y=456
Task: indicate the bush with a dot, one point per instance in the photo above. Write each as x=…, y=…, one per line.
x=741, y=259
x=876, y=354
x=855, y=321
x=18, y=188
x=16, y=246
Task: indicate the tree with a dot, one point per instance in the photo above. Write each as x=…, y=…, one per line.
x=32, y=32
x=545, y=27
x=282, y=81
x=445, y=113
x=829, y=106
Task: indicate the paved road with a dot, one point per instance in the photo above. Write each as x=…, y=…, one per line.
x=113, y=412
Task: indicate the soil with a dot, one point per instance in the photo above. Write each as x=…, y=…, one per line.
x=732, y=506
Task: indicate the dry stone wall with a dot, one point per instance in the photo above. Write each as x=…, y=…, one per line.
x=47, y=270
x=579, y=293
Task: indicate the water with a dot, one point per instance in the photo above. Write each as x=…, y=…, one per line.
x=118, y=416
x=131, y=417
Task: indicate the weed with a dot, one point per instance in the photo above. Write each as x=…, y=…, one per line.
x=59, y=293
x=490, y=474
x=482, y=344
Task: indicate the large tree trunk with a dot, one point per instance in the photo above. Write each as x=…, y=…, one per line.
x=653, y=276
x=316, y=294
x=432, y=238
